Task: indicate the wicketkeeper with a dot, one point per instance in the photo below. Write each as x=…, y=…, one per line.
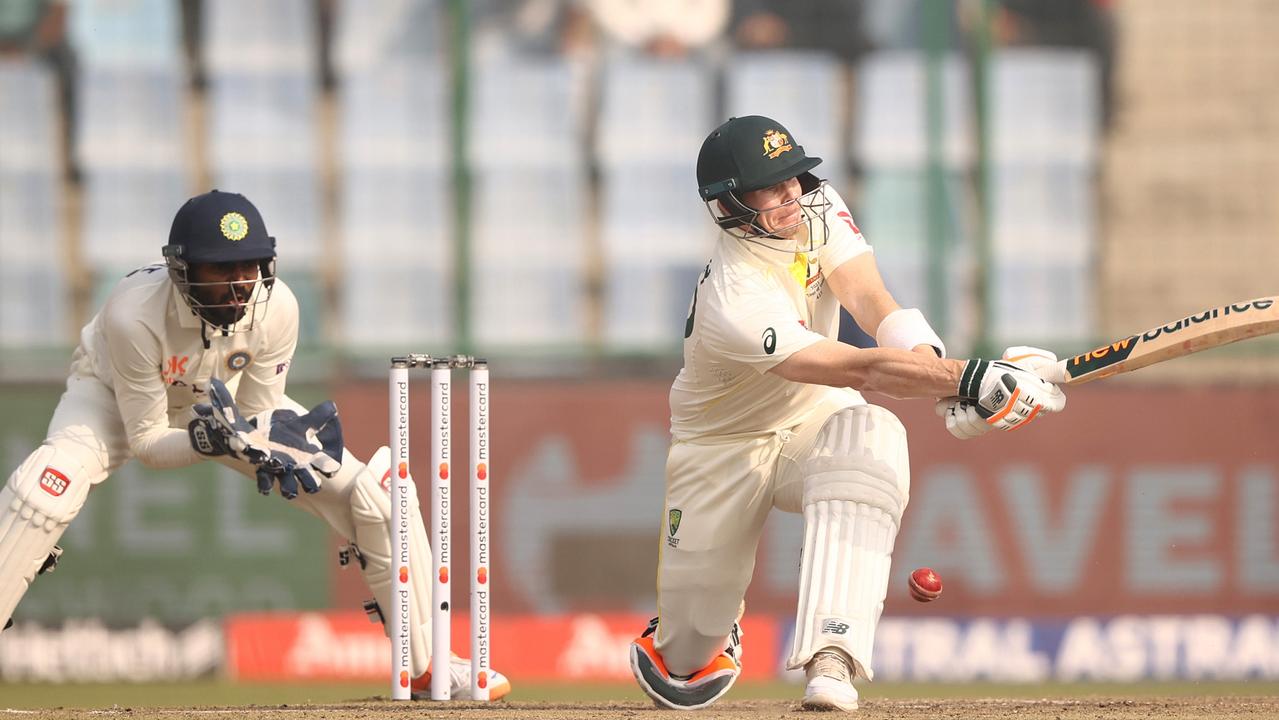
x=766, y=413
x=187, y=361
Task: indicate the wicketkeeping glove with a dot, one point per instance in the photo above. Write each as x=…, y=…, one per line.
x=283, y=446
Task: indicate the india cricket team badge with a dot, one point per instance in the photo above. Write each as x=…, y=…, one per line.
x=776, y=143
x=673, y=518
x=234, y=227
x=238, y=360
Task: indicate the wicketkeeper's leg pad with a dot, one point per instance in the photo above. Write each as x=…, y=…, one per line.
x=37, y=504
x=856, y=486
x=371, y=513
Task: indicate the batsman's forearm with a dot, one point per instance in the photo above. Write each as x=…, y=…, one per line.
x=906, y=374
x=899, y=373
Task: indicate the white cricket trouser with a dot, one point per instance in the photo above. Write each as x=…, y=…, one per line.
x=721, y=493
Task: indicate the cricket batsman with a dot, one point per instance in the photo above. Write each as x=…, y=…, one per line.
x=187, y=361
x=767, y=412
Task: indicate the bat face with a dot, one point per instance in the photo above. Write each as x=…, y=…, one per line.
x=1210, y=328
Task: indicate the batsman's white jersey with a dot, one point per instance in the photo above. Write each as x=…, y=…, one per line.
x=753, y=308
x=742, y=437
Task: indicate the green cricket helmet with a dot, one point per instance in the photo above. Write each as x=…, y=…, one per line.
x=751, y=153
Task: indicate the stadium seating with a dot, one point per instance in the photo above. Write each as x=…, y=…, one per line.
x=394, y=150
x=528, y=205
x=654, y=229
x=34, y=302
x=125, y=33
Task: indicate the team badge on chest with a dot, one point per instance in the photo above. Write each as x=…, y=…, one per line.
x=238, y=360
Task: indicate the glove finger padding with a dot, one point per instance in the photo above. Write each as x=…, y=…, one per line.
x=962, y=418
x=310, y=485
x=1037, y=360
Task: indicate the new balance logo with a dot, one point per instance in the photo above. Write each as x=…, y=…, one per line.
x=54, y=482
x=834, y=627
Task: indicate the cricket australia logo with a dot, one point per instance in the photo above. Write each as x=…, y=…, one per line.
x=776, y=143
x=672, y=525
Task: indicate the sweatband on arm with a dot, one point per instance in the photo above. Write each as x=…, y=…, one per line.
x=905, y=329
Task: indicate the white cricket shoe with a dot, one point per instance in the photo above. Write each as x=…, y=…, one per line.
x=460, y=682
x=830, y=683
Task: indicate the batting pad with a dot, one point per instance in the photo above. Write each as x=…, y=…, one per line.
x=371, y=512
x=855, y=490
x=37, y=503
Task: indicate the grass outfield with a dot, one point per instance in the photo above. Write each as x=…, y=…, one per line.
x=216, y=693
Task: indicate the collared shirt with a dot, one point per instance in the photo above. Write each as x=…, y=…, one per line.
x=754, y=307
x=148, y=346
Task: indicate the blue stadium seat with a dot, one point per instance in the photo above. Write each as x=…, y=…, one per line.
x=250, y=36
x=657, y=235
x=526, y=113
x=1047, y=107
x=1044, y=242
x=396, y=116
x=127, y=213
x=28, y=118
x=528, y=258
x=126, y=33
x=802, y=90
x=131, y=118
x=34, y=303
x=396, y=288
x=890, y=126
x=653, y=111
x=262, y=120
x=370, y=35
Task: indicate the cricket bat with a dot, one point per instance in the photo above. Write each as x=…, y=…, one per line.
x=1211, y=328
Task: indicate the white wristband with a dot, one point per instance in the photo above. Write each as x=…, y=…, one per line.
x=906, y=328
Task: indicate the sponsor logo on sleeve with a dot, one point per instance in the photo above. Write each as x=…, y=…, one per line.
x=174, y=369
x=54, y=482
x=281, y=367
x=848, y=220
x=770, y=341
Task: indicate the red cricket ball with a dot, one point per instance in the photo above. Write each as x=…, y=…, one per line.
x=925, y=585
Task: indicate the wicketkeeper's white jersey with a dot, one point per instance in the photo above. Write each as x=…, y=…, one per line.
x=752, y=308
x=148, y=347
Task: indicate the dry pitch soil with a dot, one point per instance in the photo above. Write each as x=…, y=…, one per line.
x=1056, y=709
